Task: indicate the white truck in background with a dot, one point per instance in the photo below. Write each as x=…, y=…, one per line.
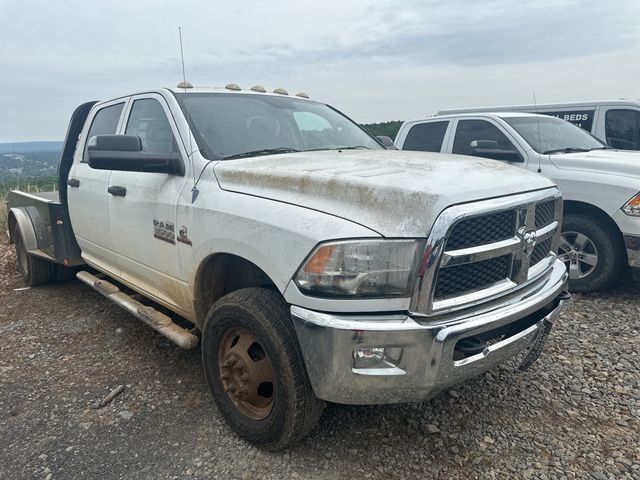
x=600, y=186
x=615, y=122
x=313, y=264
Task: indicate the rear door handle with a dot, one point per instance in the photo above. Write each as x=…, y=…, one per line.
x=117, y=191
x=73, y=182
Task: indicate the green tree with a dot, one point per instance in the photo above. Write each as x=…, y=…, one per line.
x=389, y=129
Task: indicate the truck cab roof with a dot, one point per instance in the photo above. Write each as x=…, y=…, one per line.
x=231, y=88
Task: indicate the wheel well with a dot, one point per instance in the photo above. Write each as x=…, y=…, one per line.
x=224, y=273
x=581, y=208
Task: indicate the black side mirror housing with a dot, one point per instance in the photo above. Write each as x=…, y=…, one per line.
x=489, y=149
x=386, y=142
x=124, y=153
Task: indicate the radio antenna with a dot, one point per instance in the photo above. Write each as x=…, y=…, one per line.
x=184, y=75
x=185, y=86
x=535, y=107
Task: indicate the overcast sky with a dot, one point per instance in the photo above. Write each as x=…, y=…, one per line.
x=374, y=60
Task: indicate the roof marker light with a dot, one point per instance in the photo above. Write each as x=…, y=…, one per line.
x=259, y=88
x=302, y=95
x=281, y=91
x=233, y=86
x=184, y=84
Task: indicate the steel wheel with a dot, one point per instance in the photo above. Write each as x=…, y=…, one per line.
x=246, y=373
x=579, y=253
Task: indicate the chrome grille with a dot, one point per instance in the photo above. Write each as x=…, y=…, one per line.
x=545, y=213
x=477, y=252
x=471, y=276
x=480, y=230
x=540, y=251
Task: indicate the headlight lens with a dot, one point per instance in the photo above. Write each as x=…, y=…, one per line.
x=360, y=268
x=632, y=207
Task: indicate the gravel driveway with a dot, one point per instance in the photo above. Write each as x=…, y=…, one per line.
x=574, y=414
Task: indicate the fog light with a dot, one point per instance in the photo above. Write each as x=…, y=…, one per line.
x=377, y=357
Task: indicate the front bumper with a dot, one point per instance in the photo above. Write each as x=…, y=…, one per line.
x=430, y=359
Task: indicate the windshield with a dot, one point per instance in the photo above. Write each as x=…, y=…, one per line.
x=236, y=125
x=555, y=135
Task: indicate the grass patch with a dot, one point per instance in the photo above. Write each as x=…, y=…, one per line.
x=4, y=211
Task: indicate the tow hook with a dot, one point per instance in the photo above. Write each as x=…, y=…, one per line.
x=564, y=296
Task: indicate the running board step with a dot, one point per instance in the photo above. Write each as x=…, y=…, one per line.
x=160, y=322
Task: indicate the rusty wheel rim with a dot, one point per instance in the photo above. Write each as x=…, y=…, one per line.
x=246, y=373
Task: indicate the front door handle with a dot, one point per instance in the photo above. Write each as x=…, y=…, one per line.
x=117, y=191
x=73, y=182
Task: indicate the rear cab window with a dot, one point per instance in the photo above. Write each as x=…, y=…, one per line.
x=105, y=122
x=426, y=137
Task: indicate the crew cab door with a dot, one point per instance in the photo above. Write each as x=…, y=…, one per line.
x=87, y=192
x=469, y=134
x=142, y=206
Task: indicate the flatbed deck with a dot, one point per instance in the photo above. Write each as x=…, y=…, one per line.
x=54, y=237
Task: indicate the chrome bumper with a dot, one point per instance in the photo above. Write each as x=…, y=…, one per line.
x=429, y=361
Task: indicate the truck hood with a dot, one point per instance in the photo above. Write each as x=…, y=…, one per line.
x=397, y=194
x=612, y=162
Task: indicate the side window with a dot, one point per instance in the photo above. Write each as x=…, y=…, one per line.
x=426, y=137
x=105, y=122
x=622, y=129
x=470, y=130
x=148, y=121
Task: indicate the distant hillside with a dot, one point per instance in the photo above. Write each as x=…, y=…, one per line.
x=28, y=164
x=24, y=147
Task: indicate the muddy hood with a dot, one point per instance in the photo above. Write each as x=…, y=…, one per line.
x=397, y=194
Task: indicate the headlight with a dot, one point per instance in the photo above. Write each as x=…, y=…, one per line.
x=360, y=268
x=632, y=207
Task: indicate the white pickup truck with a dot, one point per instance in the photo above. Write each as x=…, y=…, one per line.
x=313, y=264
x=600, y=186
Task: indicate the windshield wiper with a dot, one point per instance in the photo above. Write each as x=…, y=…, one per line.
x=356, y=147
x=605, y=147
x=264, y=151
x=566, y=150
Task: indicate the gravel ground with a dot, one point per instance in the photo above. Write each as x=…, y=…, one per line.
x=575, y=414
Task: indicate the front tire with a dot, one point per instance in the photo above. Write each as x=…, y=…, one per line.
x=592, y=252
x=35, y=271
x=255, y=370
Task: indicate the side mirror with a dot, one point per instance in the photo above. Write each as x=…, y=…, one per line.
x=386, y=142
x=124, y=153
x=489, y=149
